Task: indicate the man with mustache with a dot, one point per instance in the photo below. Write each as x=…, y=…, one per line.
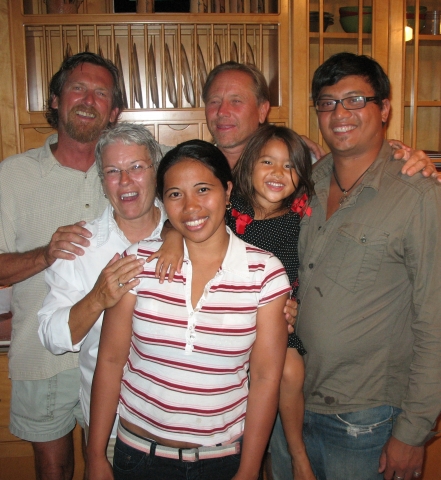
x=40, y=190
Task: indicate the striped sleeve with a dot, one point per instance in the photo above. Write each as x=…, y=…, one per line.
x=274, y=282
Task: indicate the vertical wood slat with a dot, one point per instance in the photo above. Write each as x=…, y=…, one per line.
x=146, y=66
x=360, y=28
x=180, y=82
x=9, y=134
x=131, y=98
x=395, y=67
x=415, y=77
x=299, y=67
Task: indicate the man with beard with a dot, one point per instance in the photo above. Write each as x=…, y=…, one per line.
x=40, y=190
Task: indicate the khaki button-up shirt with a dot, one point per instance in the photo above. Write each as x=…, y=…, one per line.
x=370, y=297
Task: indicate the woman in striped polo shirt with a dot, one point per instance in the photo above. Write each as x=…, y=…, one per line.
x=174, y=357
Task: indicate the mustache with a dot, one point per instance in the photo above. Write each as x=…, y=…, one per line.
x=83, y=108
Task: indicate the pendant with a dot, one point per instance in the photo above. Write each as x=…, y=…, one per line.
x=343, y=198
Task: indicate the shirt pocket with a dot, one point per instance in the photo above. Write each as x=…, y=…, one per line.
x=356, y=256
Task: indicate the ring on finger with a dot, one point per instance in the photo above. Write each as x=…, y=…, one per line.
x=398, y=478
x=120, y=284
x=417, y=474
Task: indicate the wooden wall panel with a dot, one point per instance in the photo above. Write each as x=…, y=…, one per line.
x=33, y=137
x=8, y=132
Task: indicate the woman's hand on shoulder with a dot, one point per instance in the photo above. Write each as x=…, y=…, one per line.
x=116, y=279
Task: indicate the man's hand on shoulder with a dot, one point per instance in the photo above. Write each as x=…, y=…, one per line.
x=315, y=148
x=290, y=311
x=66, y=243
x=415, y=160
x=401, y=461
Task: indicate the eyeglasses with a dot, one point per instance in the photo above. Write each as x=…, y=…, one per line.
x=135, y=172
x=348, y=103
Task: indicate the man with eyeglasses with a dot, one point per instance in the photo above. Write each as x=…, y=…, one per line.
x=369, y=289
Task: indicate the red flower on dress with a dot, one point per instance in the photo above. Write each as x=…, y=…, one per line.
x=300, y=206
x=242, y=220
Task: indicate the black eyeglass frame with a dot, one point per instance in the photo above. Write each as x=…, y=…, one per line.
x=342, y=101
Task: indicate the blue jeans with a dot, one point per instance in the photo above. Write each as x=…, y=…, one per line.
x=348, y=445
x=132, y=464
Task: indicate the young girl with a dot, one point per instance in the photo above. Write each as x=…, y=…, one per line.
x=272, y=184
x=179, y=368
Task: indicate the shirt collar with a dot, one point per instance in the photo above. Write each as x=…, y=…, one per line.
x=235, y=260
x=373, y=176
x=323, y=170
x=107, y=225
x=48, y=160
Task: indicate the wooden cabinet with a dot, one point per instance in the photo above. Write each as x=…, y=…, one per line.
x=414, y=67
x=164, y=59
x=422, y=84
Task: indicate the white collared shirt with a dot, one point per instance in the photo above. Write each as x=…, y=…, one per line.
x=69, y=281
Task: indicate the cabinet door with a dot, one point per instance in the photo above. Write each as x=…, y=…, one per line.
x=422, y=75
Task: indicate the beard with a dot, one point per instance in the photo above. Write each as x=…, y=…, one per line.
x=84, y=132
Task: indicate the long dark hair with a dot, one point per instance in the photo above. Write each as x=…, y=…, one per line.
x=299, y=159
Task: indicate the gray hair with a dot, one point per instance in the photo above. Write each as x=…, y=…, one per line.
x=127, y=134
x=261, y=90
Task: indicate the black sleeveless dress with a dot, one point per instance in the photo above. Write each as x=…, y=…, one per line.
x=278, y=235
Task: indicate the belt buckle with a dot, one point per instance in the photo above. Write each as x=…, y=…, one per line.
x=195, y=453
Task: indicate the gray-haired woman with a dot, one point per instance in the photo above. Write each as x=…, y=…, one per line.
x=81, y=289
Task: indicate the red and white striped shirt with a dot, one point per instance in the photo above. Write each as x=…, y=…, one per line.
x=186, y=375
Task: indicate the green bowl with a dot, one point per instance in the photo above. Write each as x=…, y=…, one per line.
x=349, y=19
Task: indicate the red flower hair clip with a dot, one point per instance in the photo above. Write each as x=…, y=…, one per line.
x=300, y=206
x=242, y=220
